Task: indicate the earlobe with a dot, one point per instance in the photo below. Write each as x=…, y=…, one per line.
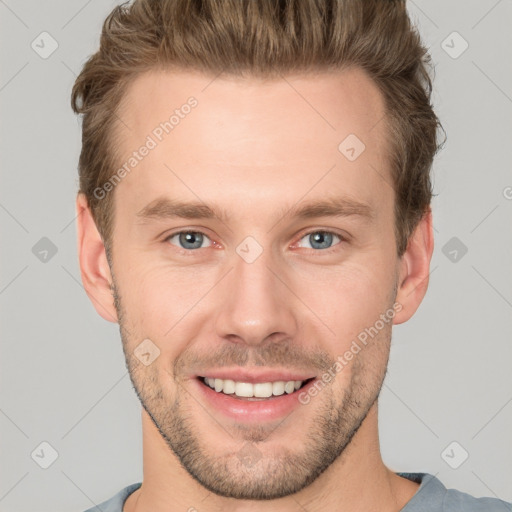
x=94, y=267
x=414, y=269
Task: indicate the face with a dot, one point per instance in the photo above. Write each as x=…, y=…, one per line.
x=250, y=247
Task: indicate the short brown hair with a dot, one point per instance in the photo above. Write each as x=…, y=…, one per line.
x=264, y=38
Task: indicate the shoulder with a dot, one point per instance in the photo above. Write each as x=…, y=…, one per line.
x=433, y=496
x=115, y=504
x=460, y=501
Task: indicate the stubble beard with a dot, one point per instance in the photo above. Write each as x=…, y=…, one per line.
x=265, y=475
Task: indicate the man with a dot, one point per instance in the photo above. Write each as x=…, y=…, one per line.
x=254, y=212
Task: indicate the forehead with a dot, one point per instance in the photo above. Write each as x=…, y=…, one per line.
x=342, y=101
x=299, y=133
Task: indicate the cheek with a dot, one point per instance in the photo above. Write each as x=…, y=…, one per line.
x=161, y=301
x=348, y=298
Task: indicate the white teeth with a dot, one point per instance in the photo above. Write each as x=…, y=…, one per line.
x=218, y=385
x=278, y=388
x=229, y=386
x=244, y=389
x=248, y=390
x=263, y=389
x=289, y=387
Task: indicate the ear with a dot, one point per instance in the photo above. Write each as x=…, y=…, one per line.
x=94, y=267
x=414, y=269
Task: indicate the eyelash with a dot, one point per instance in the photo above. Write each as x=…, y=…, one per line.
x=190, y=252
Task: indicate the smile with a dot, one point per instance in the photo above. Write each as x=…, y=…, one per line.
x=256, y=390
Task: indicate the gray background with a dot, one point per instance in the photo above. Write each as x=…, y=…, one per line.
x=63, y=379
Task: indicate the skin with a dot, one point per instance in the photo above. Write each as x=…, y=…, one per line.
x=256, y=148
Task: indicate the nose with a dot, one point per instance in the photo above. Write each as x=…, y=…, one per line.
x=256, y=303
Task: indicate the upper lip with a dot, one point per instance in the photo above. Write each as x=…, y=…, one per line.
x=256, y=376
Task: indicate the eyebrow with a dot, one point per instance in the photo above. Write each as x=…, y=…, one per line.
x=167, y=208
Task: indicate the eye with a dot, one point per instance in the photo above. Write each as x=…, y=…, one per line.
x=188, y=239
x=191, y=240
x=321, y=239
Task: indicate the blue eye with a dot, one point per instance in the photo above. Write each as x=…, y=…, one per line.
x=192, y=240
x=321, y=239
x=189, y=239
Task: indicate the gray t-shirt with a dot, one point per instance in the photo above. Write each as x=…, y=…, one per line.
x=431, y=496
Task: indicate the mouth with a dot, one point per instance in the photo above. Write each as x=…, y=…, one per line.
x=253, y=392
x=253, y=395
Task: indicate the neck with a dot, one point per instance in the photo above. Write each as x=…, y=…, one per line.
x=358, y=480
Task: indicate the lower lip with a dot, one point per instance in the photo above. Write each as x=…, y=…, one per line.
x=252, y=411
